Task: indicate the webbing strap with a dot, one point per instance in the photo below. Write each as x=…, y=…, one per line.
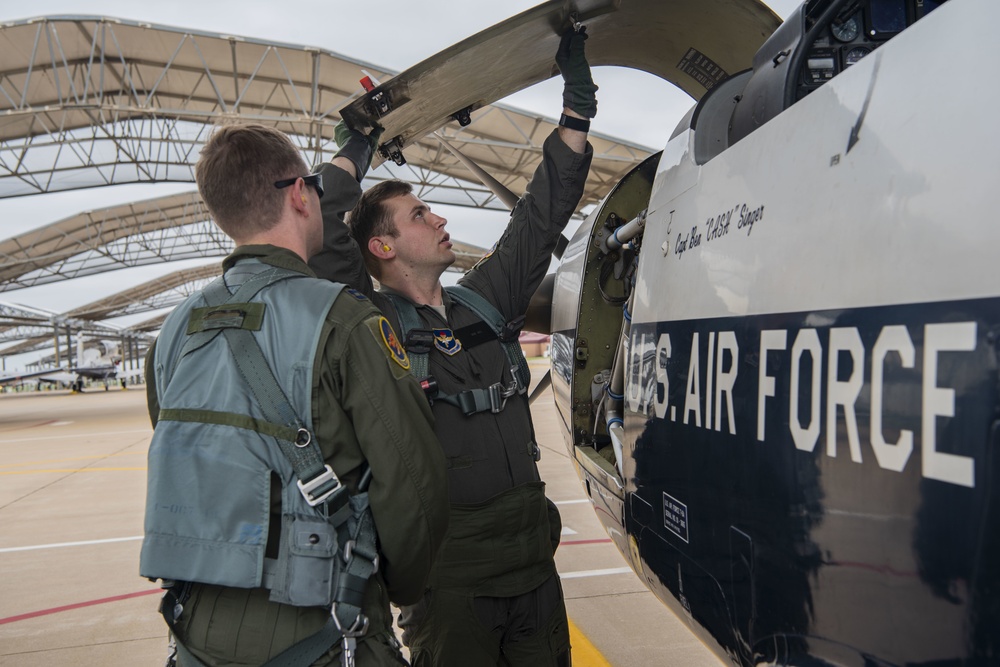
x=417, y=341
x=417, y=346
x=505, y=333
x=227, y=419
x=361, y=561
x=307, y=651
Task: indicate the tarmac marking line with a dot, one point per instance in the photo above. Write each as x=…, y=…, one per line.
x=58, y=545
x=77, y=436
x=44, y=470
x=77, y=605
x=595, y=573
x=585, y=654
x=96, y=457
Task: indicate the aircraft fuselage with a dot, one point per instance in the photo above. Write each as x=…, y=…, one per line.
x=811, y=387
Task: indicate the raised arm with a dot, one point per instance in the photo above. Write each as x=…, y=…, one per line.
x=340, y=259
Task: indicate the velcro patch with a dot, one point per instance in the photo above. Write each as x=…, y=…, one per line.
x=356, y=294
x=396, y=351
x=486, y=256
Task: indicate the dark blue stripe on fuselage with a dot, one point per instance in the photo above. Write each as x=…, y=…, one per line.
x=753, y=525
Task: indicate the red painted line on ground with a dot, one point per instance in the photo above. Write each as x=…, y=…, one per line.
x=604, y=541
x=78, y=605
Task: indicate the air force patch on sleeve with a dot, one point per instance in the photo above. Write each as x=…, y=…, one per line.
x=396, y=351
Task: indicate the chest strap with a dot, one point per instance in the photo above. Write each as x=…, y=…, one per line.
x=419, y=341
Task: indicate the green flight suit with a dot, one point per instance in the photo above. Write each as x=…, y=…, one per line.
x=357, y=381
x=494, y=589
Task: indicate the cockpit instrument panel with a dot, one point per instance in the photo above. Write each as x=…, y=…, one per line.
x=854, y=28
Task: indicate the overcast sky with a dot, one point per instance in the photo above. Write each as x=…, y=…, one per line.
x=394, y=34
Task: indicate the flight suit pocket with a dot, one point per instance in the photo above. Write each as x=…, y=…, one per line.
x=308, y=567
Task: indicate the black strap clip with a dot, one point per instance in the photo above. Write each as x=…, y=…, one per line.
x=512, y=329
x=419, y=341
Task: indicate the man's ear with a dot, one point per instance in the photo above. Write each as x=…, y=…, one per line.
x=381, y=248
x=298, y=197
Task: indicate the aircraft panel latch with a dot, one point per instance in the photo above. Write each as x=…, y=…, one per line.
x=463, y=116
x=393, y=150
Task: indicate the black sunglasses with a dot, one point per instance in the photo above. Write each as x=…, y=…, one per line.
x=315, y=180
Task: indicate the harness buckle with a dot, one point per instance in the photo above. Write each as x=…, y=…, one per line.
x=349, y=642
x=349, y=553
x=511, y=330
x=419, y=341
x=499, y=395
x=516, y=383
x=307, y=488
x=357, y=629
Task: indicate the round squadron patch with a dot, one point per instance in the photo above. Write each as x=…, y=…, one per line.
x=396, y=351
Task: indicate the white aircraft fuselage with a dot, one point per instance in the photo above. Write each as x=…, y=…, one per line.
x=811, y=408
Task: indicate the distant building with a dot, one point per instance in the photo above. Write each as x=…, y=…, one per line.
x=534, y=344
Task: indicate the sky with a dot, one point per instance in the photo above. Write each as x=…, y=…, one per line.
x=394, y=34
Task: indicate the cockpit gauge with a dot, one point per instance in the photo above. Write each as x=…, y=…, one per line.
x=846, y=30
x=855, y=54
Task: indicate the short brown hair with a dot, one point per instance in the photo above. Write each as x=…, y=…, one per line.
x=236, y=173
x=371, y=217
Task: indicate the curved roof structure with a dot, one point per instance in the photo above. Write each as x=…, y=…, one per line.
x=88, y=101
x=153, y=231
x=157, y=230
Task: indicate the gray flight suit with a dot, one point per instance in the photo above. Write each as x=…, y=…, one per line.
x=493, y=596
x=358, y=379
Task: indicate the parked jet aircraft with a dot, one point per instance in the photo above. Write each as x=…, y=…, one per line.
x=96, y=363
x=29, y=377
x=100, y=363
x=775, y=345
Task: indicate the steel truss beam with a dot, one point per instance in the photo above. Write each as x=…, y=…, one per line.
x=87, y=101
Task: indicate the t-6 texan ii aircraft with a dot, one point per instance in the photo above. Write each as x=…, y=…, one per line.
x=775, y=344
x=96, y=363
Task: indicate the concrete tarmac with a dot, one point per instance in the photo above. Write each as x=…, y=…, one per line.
x=72, y=489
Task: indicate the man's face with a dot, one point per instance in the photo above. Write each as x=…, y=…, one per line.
x=421, y=240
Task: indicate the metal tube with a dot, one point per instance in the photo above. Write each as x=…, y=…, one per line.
x=616, y=388
x=626, y=232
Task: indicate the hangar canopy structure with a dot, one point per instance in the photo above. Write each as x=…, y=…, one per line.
x=88, y=101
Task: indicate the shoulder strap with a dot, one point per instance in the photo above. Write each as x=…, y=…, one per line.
x=416, y=338
x=507, y=331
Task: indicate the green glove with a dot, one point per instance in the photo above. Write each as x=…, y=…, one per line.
x=579, y=89
x=356, y=147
